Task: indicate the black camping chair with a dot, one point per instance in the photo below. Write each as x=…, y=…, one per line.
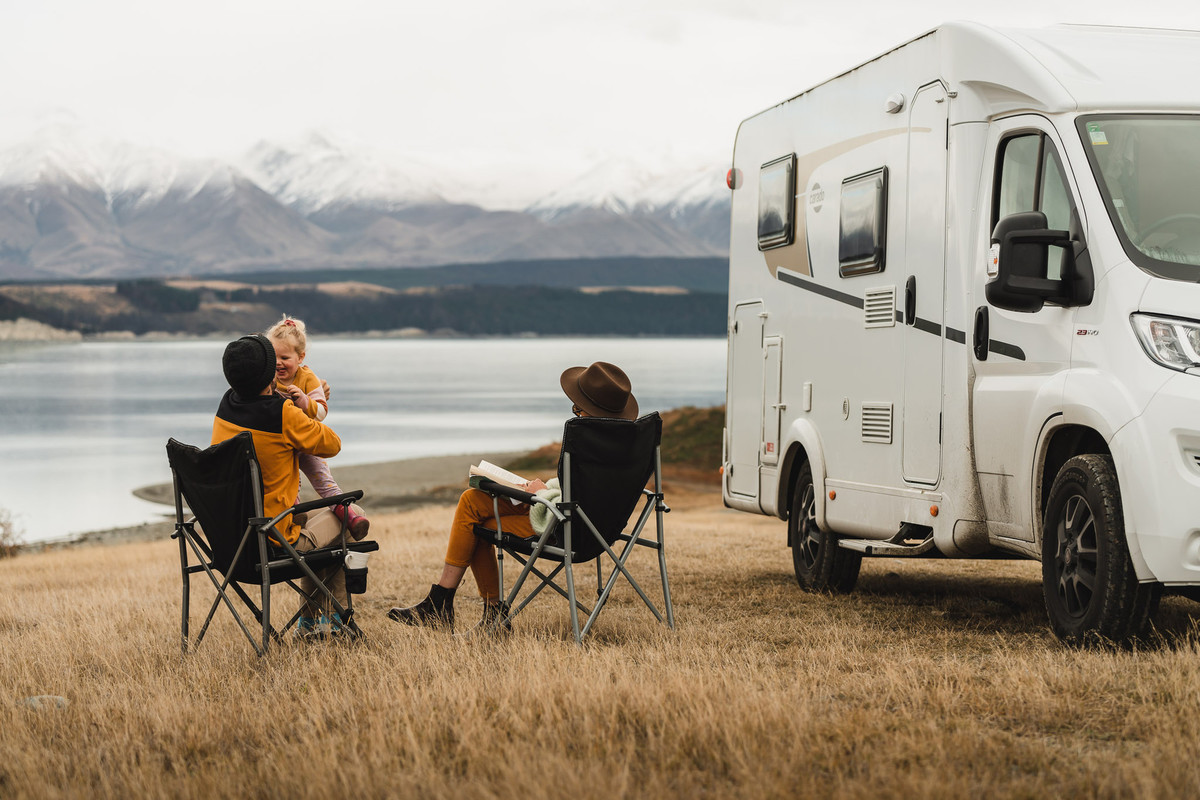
x=603, y=470
x=222, y=486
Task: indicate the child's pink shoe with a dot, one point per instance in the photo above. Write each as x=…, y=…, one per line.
x=357, y=523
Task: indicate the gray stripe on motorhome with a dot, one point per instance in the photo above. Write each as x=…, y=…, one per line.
x=824, y=291
x=952, y=334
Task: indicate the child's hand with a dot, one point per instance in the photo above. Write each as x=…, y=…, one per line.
x=297, y=396
x=534, y=486
x=325, y=388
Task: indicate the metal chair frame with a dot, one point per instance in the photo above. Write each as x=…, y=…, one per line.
x=275, y=554
x=574, y=522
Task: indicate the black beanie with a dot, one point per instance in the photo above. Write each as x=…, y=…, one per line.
x=249, y=365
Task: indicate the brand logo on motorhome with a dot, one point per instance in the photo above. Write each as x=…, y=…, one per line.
x=816, y=196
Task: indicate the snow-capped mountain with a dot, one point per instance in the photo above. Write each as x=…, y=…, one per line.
x=623, y=187
x=65, y=154
x=75, y=206
x=318, y=173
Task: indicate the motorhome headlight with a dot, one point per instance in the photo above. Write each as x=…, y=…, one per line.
x=1174, y=343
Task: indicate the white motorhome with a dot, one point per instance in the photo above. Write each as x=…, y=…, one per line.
x=964, y=314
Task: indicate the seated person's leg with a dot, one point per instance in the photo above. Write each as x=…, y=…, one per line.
x=321, y=528
x=462, y=551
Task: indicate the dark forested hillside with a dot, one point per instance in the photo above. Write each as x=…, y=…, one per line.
x=695, y=274
x=626, y=296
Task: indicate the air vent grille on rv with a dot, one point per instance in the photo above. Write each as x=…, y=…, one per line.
x=877, y=422
x=879, y=307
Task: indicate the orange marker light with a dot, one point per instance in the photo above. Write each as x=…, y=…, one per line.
x=721, y=470
x=933, y=511
x=832, y=494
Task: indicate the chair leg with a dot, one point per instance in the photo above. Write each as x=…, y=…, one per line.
x=499, y=545
x=187, y=590
x=266, y=591
x=660, y=509
x=662, y=568
x=571, y=582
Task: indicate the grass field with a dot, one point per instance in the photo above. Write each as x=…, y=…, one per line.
x=934, y=679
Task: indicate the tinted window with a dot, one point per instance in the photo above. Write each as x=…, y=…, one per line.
x=776, y=199
x=1031, y=179
x=863, y=226
x=1018, y=175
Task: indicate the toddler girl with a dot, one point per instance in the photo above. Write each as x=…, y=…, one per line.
x=298, y=383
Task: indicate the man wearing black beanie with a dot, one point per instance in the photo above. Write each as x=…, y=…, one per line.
x=280, y=431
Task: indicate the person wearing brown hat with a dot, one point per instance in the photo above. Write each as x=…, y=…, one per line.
x=600, y=390
x=280, y=431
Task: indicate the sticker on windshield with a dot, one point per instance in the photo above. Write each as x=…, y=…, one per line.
x=1095, y=134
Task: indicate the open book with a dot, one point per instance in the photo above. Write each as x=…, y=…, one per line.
x=486, y=469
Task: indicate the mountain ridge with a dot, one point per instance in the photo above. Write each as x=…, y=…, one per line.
x=75, y=207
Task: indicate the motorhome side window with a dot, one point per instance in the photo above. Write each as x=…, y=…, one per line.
x=1030, y=178
x=863, y=226
x=776, y=199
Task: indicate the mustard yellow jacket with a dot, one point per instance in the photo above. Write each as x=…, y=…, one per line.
x=281, y=432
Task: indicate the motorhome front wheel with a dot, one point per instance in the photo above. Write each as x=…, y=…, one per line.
x=1092, y=594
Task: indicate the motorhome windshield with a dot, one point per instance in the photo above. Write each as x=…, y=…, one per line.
x=1148, y=168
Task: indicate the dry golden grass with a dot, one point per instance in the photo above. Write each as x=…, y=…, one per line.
x=935, y=679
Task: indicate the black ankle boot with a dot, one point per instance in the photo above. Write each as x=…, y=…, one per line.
x=436, y=610
x=491, y=624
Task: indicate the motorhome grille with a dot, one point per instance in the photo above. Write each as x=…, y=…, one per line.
x=877, y=422
x=879, y=307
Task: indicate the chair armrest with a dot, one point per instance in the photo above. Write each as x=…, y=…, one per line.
x=323, y=502
x=491, y=487
x=499, y=489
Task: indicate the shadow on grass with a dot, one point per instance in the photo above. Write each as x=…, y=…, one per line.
x=967, y=596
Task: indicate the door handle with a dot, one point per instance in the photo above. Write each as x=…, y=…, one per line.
x=910, y=300
x=982, y=332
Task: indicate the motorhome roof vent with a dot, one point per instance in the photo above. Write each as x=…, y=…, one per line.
x=879, y=307
x=877, y=423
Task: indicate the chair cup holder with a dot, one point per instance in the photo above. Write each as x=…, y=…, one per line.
x=356, y=580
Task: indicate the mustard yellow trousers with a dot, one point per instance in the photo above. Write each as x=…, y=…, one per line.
x=467, y=550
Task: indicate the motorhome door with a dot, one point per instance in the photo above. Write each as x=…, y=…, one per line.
x=745, y=412
x=924, y=282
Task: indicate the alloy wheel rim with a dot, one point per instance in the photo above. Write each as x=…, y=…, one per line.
x=810, y=541
x=1076, y=557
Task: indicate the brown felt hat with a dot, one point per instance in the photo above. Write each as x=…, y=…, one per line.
x=602, y=390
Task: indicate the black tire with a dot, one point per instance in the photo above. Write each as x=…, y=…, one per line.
x=821, y=566
x=1092, y=594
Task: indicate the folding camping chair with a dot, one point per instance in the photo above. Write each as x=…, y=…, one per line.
x=222, y=486
x=603, y=469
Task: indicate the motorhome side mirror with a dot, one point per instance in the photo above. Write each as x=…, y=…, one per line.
x=1021, y=266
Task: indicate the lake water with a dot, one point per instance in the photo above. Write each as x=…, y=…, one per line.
x=84, y=424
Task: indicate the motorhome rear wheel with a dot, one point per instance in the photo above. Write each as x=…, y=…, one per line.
x=821, y=566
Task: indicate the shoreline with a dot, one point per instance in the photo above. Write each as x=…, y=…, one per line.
x=26, y=331
x=388, y=486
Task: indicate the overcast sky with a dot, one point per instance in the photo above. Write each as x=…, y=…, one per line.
x=511, y=82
